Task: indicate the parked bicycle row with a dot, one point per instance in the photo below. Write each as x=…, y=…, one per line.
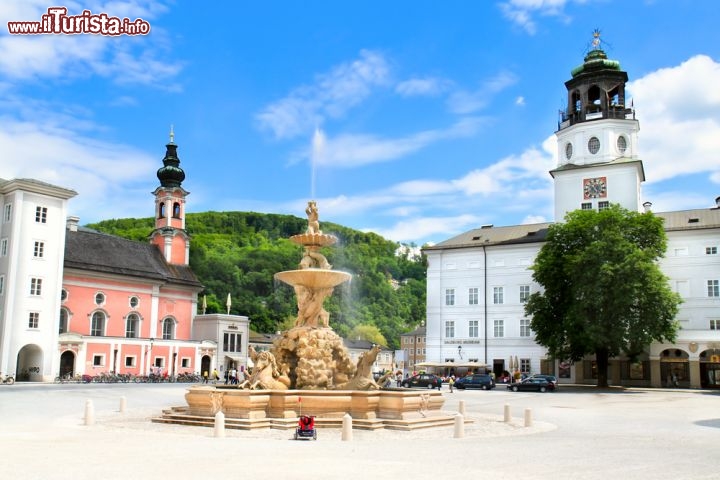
x=109, y=377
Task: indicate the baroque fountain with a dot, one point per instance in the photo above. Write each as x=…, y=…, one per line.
x=308, y=369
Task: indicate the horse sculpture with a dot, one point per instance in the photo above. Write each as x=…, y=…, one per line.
x=266, y=375
x=363, y=379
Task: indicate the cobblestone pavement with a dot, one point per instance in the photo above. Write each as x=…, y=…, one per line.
x=576, y=433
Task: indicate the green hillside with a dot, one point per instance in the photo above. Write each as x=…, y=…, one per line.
x=239, y=252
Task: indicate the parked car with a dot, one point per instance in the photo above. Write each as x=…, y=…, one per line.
x=478, y=380
x=532, y=385
x=426, y=380
x=550, y=378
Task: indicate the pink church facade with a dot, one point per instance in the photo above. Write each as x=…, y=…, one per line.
x=128, y=307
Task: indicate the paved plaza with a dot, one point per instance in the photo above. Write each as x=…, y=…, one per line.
x=576, y=433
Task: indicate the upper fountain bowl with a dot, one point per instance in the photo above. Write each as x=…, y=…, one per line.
x=314, y=239
x=313, y=278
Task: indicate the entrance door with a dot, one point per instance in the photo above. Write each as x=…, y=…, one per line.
x=67, y=364
x=205, y=365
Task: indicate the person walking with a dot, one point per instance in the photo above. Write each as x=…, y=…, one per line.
x=205, y=376
x=216, y=375
x=439, y=380
x=451, y=382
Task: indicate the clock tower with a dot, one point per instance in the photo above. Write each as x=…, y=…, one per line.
x=597, y=139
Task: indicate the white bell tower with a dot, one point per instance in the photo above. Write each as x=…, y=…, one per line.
x=598, y=162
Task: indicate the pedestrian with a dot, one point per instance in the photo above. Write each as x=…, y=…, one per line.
x=205, y=376
x=674, y=380
x=398, y=379
x=216, y=375
x=227, y=376
x=233, y=376
x=451, y=382
x=439, y=380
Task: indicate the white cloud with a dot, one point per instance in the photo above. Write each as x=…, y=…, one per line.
x=520, y=101
x=353, y=150
x=122, y=59
x=330, y=96
x=411, y=230
x=427, y=86
x=102, y=173
x=679, y=113
x=463, y=102
x=523, y=12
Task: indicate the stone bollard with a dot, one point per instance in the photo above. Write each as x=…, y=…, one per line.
x=219, y=424
x=123, y=404
x=528, y=417
x=506, y=418
x=461, y=407
x=459, y=426
x=89, y=413
x=346, y=428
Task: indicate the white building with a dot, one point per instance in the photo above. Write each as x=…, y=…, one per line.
x=477, y=282
x=32, y=246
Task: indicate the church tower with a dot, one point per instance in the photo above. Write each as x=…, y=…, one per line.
x=597, y=140
x=169, y=234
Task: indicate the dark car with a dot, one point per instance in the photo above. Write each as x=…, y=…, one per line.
x=550, y=378
x=426, y=380
x=532, y=385
x=482, y=381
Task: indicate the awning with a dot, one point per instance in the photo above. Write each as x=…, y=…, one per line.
x=451, y=364
x=237, y=360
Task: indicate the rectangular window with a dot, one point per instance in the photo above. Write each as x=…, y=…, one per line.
x=499, y=328
x=498, y=295
x=473, y=329
x=603, y=206
x=39, y=250
x=525, y=365
x=3, y=247
x=33, y=320
x=232, y=342
x=98, y=360
x=524, y=293
x=450, y=329
x=714, y=324
x=7, y=213
x=449, y=296
x=586, y=206
x=36, y=286
x=713, y=288
x=473, y=296
x=185, y=362
x=524, y=327
x=41, y=215
x=130, y=361
x=710, y=250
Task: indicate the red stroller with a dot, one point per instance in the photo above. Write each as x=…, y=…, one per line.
x=306, y=428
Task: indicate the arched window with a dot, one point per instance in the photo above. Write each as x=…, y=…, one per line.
x=97, y=326
x=63, y=321
x=176, y=210
x=161, y=210
x=131, y=326
x=168, y=329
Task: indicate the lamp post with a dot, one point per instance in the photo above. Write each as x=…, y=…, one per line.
x=460, y=351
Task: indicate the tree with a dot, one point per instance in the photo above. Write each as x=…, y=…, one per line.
x=368, y=332
x=604, y=292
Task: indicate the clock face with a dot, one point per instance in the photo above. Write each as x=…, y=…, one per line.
x=595, y=187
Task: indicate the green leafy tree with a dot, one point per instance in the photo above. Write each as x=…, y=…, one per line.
x=368, y=332
x=604, y=293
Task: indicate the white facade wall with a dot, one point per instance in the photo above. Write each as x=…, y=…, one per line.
x=23, y=345
x=495, y=267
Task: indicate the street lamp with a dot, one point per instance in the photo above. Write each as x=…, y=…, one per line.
x=460, y=351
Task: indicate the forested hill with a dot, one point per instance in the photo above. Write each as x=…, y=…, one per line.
x=239, y=252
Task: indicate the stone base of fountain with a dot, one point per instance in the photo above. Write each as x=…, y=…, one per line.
x=394, y=409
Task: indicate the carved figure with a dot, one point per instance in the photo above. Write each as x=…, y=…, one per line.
x=314, y=259
x=310, y=306
x=266, y=375
x=312, y=214
x=363, y=379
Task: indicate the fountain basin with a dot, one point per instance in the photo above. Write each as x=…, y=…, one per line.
x=313, y=278
x=314, y=239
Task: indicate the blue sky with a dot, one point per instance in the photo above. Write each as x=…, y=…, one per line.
x=417, y=120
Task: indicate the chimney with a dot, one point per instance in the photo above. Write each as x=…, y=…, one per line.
x=72, y=223
x=647, y=206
